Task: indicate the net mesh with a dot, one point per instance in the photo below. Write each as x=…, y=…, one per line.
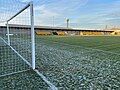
x=7, y=9
x=16, y=32
x=10, y=62
x=20, y=30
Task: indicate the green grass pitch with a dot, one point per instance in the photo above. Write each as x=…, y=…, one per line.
x=72, y=63
x=80, y=62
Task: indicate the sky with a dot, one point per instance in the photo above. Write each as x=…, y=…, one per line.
x=88, y=14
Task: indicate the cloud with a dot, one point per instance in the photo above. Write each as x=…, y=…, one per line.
x=25, y=1
x=99, y=15
x=45, y=10
x=44, y=15
x=82, y=13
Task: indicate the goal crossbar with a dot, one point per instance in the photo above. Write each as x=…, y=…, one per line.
x=20, y=11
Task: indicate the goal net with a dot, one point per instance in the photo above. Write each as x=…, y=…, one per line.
x=17, y=49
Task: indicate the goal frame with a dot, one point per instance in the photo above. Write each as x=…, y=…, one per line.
x=30, y=4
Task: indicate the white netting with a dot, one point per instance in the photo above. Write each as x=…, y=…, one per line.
x=8, y=8
x=15, y=37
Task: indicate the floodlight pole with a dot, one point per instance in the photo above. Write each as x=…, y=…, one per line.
x=8, y=33
x=67, y=23
x=32, y=35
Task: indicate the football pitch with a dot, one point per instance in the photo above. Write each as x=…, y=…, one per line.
x=71, y=63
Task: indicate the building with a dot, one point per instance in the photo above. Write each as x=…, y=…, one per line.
x=116, y=31
x=46, y=30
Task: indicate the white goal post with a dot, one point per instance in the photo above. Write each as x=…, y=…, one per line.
x=17, y=40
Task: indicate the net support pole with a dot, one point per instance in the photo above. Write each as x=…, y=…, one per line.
x=8, y=34
x=32, y=35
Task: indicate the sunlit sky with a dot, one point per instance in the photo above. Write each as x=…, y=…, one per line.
x=92, y=14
